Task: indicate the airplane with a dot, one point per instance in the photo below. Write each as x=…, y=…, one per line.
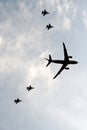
x=44, y=12
x=29, y=88
x=17, y=100
x=49, y=26
x=64, y=62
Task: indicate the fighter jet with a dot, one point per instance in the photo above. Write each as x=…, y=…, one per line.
x=64, y=62
x=17, y=100
x=49, y=26
x=44, y=12
x=29, y=88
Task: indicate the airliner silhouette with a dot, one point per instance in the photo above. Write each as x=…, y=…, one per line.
x=64, y=62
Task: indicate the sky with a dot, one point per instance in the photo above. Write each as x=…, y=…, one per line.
x=59, y=104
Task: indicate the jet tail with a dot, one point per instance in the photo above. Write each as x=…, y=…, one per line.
x=49, y=60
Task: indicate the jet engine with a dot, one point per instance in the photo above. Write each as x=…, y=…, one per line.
x=70, y=56
x=67, y=68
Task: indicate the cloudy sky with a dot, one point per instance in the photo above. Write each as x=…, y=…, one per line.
x=59, y=104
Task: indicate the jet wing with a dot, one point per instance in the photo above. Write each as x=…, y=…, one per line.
x=65, y=52
x=61, y=69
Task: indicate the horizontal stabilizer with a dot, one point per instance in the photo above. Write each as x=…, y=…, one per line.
x=49, y=60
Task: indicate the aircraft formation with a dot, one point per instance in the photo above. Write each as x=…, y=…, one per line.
x=65, y=62
x=16, y=101
x=48, y=26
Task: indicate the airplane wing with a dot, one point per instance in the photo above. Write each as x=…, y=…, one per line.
x=65, y=52
x=61, y=69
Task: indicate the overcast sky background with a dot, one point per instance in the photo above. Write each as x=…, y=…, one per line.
x=59, y=104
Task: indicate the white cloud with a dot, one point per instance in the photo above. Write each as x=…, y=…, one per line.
x=0, y=40
x=39, y=71
x=24, y=9
x=66, y=13
x=67, y=6
x=66, y=24
x=24, y=46
x=60, y=9
x=84, y=13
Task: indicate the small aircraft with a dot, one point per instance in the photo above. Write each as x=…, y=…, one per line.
x=29, y=88
x=64, y=62
x=49, y=26
x=17, y=100
x=44, y=12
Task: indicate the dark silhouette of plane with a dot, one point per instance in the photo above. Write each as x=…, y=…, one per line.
x=44, y=12
x=64, y=62
x=49, y=26
x=17, y=100
x=30, y=88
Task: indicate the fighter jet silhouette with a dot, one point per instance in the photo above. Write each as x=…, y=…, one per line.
x=44, y=12
x=64, y=62
x=29, y=88
x=17, y=100
x=49, y=26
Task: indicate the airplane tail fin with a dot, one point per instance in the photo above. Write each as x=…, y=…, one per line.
x=49, y=60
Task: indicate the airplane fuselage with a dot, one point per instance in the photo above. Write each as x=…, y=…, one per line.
x=64, y=62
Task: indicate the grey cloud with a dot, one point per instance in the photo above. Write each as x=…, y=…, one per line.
x=54, y=104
